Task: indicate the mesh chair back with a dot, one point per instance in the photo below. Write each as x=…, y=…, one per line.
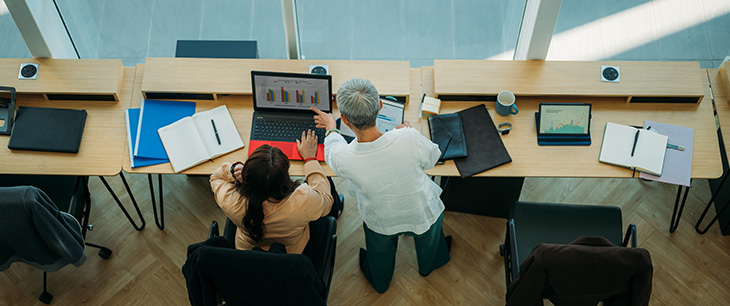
x=537, y=223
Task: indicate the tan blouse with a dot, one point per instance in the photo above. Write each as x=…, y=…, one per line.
x=287, y=221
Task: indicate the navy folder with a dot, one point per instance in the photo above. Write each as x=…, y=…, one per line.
x=47, y=129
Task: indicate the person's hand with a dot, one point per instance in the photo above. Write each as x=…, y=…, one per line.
x=404, y=124
x=238, y=172
x=324, y=120
x=308, y=145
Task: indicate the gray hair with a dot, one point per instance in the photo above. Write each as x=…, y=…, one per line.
x=359, y=102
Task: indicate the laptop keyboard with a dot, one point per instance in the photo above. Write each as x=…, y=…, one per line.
x=283, y=130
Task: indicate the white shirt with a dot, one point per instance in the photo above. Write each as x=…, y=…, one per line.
x=387, y=177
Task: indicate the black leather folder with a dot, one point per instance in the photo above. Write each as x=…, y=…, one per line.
x=447, y=132
x=483, y=142
x=47, y=129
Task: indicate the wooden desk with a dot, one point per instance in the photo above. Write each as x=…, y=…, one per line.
x=102, y=142
x=395, y=79
x=233, y=76
x=639, y=80
x=68, y=79
x=532, y=160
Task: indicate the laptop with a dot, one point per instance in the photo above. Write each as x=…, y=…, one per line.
x=564, y=124
x=47, y=129
x=281, y=103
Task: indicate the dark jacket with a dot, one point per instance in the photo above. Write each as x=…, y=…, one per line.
x=253, y=277
x=34, y=231
x=582, y=273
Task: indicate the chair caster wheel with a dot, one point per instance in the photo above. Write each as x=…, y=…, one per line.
x=501, y=250
x=105, y=253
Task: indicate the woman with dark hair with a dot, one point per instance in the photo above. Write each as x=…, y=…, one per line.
x=263, y=201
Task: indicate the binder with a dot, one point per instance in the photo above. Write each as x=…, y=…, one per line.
x=132, y=116
x=47, y=129
x=153, y=115
x=483, y=142
x=447, y=131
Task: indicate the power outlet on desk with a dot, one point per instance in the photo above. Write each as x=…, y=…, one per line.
x=610, y=74
x=319, y=69
x=28, y=71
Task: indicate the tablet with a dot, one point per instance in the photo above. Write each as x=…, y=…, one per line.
x=564, y=124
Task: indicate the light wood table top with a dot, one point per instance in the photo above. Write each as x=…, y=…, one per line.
x=532, y=160
x=233, y=76
x=102, y=143
x=567, y=78
x=241, y=109
x=66, y=76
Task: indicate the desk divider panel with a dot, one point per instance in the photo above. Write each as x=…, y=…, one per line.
x=208, y=77
x=67, y=79
x=643, y=82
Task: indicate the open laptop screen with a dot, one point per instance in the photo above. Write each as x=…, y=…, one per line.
x=291, y=91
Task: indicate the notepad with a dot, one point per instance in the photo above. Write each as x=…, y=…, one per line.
x=620, y=140
x=200, y=137
x=132, y=116
x=153, y=115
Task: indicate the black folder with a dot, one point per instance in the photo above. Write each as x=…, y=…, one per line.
x=47, y=129
x=447, y=131
x=483, y=142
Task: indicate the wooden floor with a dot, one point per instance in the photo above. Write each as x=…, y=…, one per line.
x=689, y=269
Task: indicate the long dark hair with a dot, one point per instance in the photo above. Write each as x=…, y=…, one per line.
x=265, y=176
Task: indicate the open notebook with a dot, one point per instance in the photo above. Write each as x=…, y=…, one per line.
x=648, y=148
x=201, y=137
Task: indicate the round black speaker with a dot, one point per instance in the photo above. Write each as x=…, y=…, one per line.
x=28, y=71
x=610, y=73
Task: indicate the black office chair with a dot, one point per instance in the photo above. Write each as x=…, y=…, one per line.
x=217, y=49
x=320, y=249
x=531, y=224
x=70, y=194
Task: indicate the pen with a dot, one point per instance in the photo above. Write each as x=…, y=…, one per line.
x=219, y=138
x=669, y=145
x=636, y=138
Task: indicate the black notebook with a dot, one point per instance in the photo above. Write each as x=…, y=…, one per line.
x=447, y=132
x=483, y=142
x=47, y=129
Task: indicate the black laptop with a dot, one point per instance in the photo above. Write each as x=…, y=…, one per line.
x=281, y=103
x=47, y=129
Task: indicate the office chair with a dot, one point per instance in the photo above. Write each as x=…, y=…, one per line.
x=320, y=249
x=531, y=224
x=70, y=195
x=217, y=49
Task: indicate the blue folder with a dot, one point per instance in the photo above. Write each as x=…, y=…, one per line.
x=132, y=125
x=153, y=115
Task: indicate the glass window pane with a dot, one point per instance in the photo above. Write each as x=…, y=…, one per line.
x=13, y=45
x=415, y=30
x=132, y=30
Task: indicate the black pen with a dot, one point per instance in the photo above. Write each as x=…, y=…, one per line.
x=219, y=138
x=636, y=138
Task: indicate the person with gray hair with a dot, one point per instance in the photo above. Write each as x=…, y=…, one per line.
x=386, y=173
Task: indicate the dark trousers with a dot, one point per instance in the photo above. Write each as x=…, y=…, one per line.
x=431, y=252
